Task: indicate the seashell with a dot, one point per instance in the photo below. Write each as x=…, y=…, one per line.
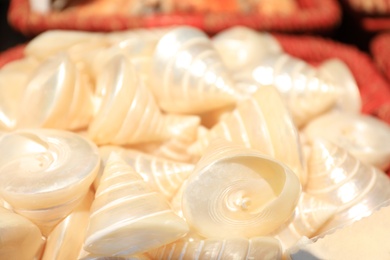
x=164, y=176
x=335, y=176
x=44, y=173
x=56, y=96
x=87, y=256
x=240, y=191
x=224, y=248
x=363, y=136
x=310, y=214
x=20, y=238
x=127, y=217
x=66, y=239
x=263, y=123
x=188, y=74
x=127, y=112
x=306, y=92
x=240, y=46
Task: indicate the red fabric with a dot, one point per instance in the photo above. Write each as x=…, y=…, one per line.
x=380, y=50
x=11, y=54
x=313, y=15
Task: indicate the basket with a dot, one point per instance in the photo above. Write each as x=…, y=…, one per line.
x=311, y=16
x=380, y=50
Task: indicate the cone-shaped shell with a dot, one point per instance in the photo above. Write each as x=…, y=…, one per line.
x=310, y=214
x=56, y=96
x=164, y=176
x=306, y=92
x=363, y=136
x=20, y=238
x=261, y=122
x=236, y=190
x=230, y=248
x=339, y=178
x=66, y=239
x=126, y=110
x=189, y=75
x=127, y=217
x=44, y=173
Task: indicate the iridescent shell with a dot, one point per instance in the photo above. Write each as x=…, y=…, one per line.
x=263, y=123
x=240, y=191
x=240, y=46
x=56, y=96
x=44, y=173
x=127, y=217
x=165, y=176
x=310, y=214
x=20, y=238
x=126, y=109
x=188, y=74
x=66, y=239
x=228, y=248
x=338, y=178
x=364, y=136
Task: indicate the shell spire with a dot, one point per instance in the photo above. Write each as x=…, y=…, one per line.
x=127, y=217
x=189, y=75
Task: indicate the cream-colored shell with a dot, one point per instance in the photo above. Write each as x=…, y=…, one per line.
x=44, y=173
x=188, y=74
x=240, y=191
x=127, y=216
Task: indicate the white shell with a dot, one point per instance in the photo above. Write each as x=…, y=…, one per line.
x=127, y=217
x=240, y=191
x=188, y=74
x=229, y=248
x=364, y=136
x=44, y=173
x=338, y=178
x=165, y=176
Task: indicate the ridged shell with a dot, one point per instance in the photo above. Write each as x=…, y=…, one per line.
x=339, y=178
x=127, y=217
x=310, y=214
x=266, y=248
x=44, y=173
x=240, y=46
x=66, y=239
x=20, y=238
x=263, y=123
x=126, y=110
x=364, y=136
x=306, y=92
x=87, y=256
x=165, y=176
x=240, y=191
x=56, y=96
x=188, y=73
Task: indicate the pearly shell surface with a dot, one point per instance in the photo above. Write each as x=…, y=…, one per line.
x=364, y=136
x=44, y=173
x=188, y=73
x=341, y=179
x=266, y=248
x=237, y=190
x=127, y=217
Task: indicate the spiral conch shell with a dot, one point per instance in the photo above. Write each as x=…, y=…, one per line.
x=44, y=173
x=164, y=176
x=341, y=179
x=363, y=136
x=266, y=248
x=236, y=190
x=189, y=75
x=263, y=123
x=127, y=112
x=127, y=217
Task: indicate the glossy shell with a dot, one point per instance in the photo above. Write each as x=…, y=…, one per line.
x=189, y=76
x=237, y=190
x=127, y=217
x=44, y=173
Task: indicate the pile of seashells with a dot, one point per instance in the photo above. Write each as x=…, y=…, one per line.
x=170, y=144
